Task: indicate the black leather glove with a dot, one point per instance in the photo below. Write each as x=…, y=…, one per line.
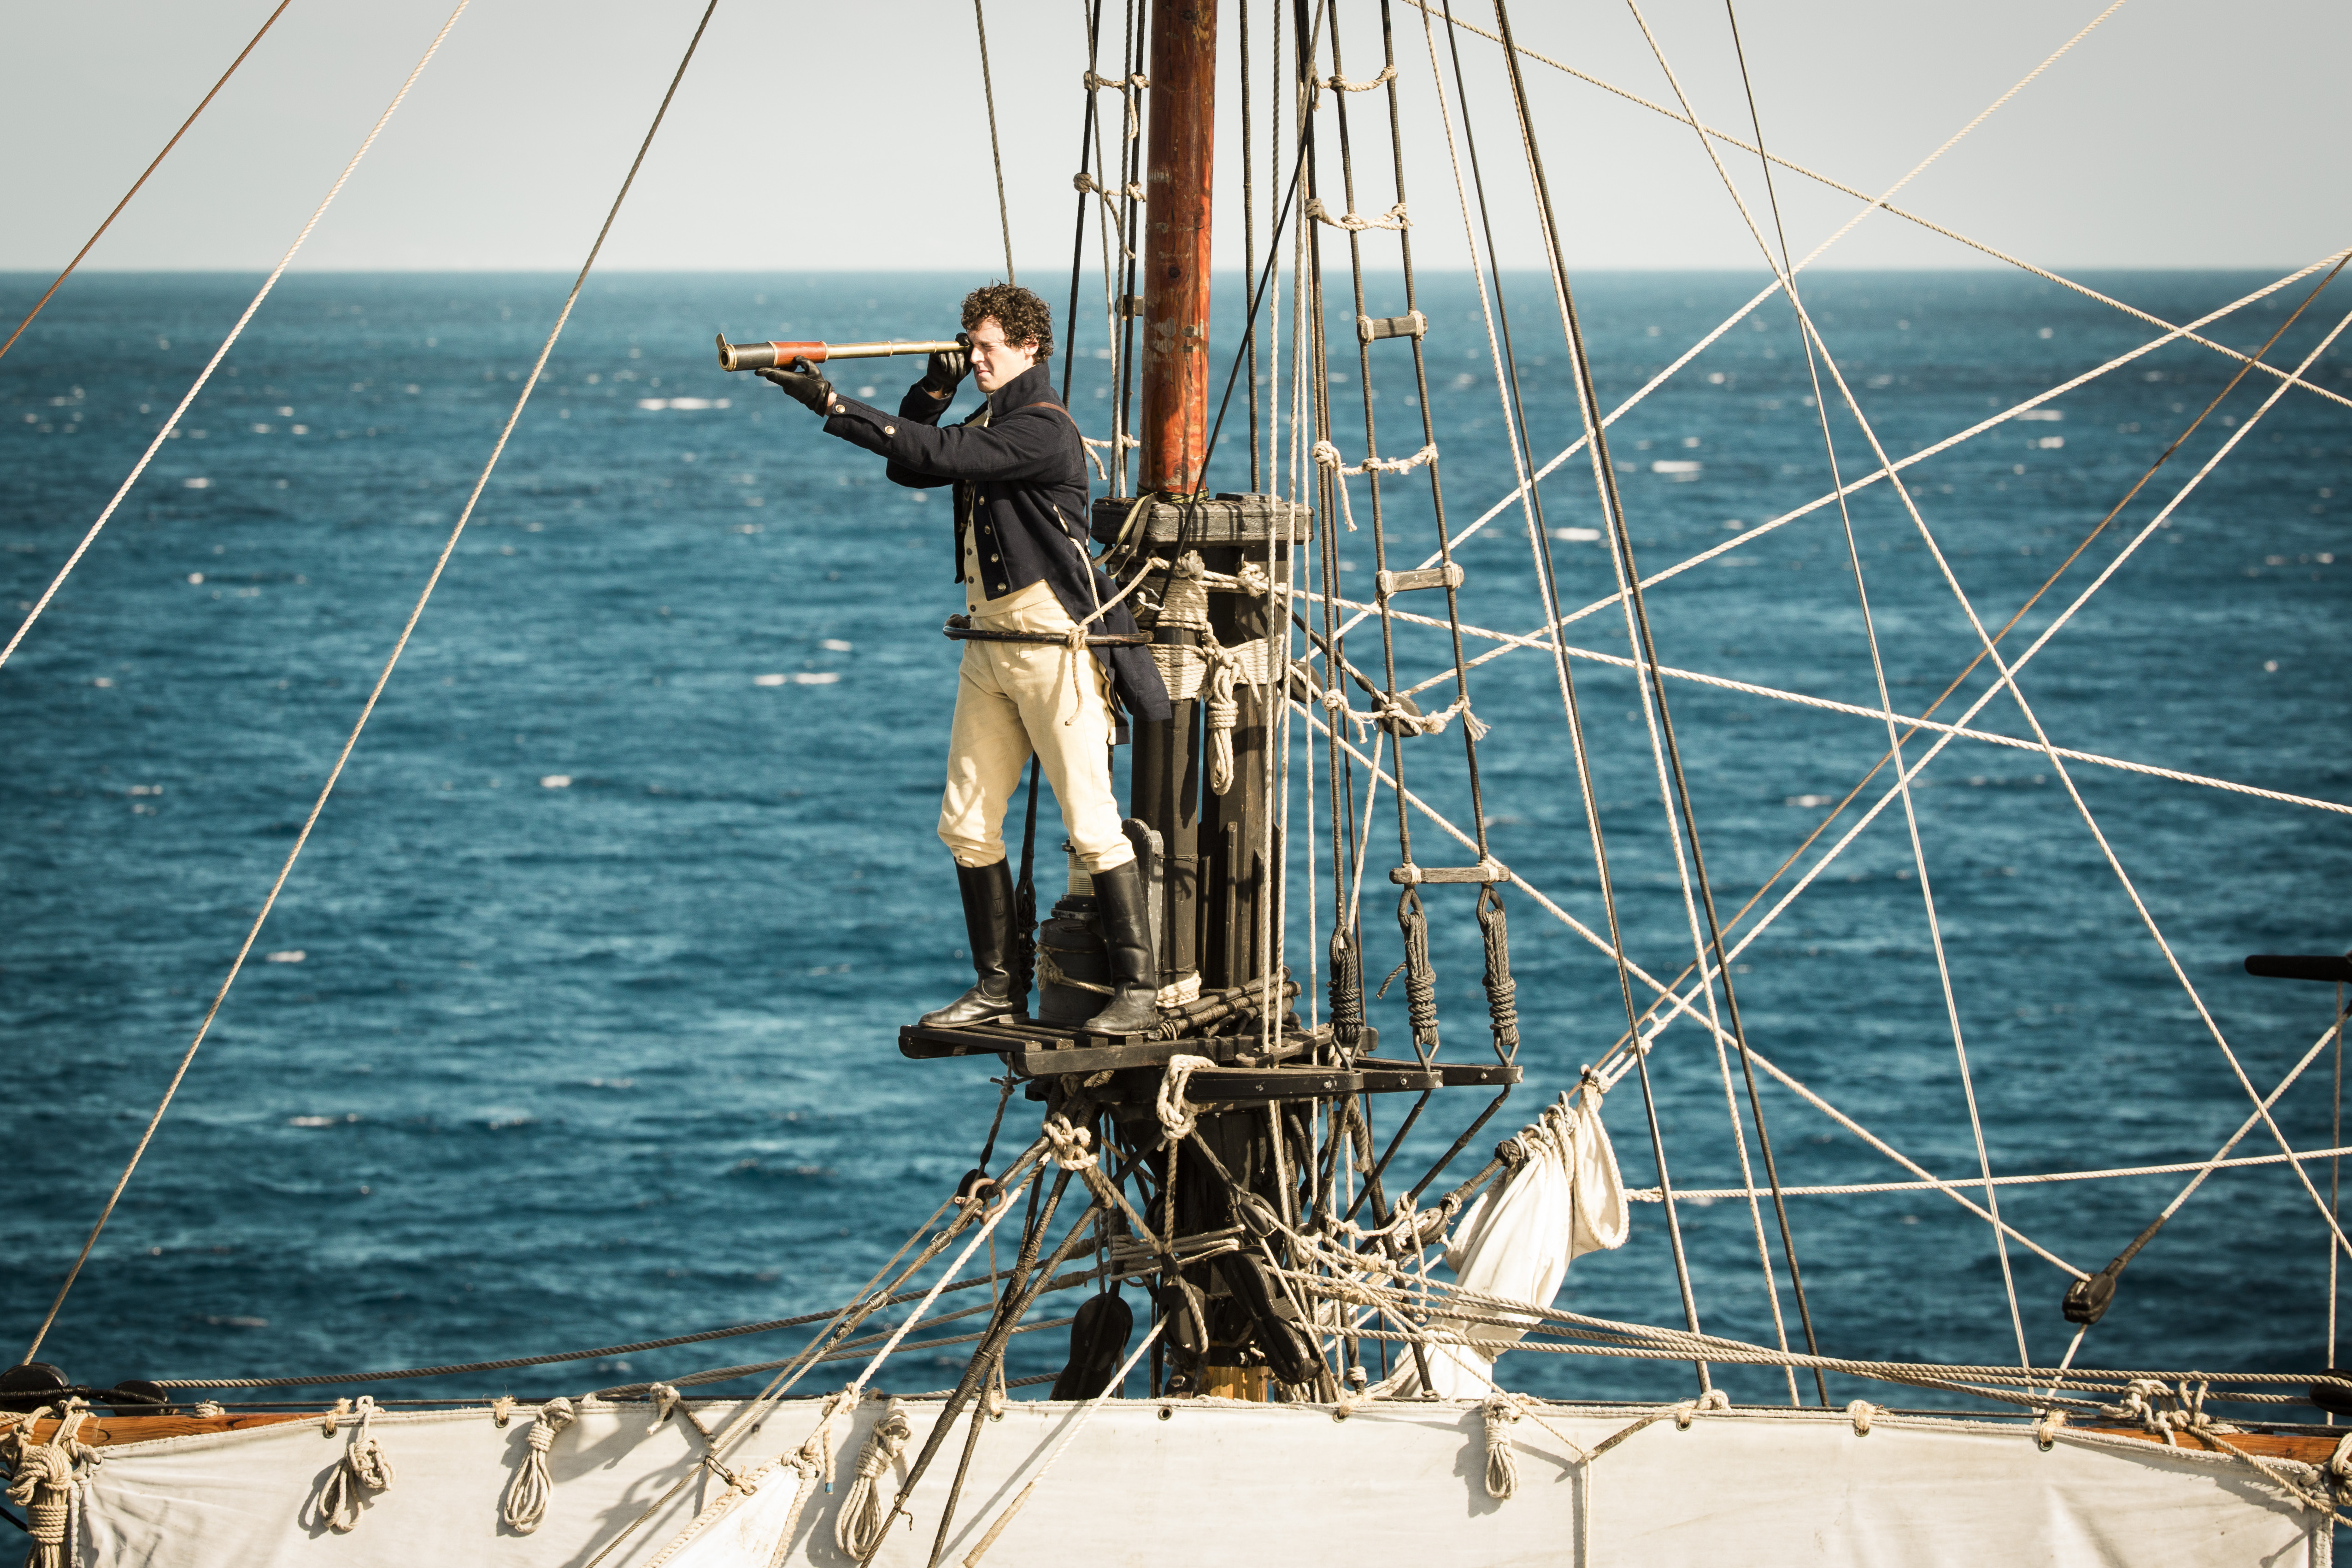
x=947, y=370
x=802, y=385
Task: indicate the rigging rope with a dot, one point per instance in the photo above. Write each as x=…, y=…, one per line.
x=1516, y=497
x=60, y=281
x=2040, y=642
x=1493, y=308
x=2006, y=681
x=1855, y=1189
x=1681, y=1006
x=996, y=155
x=400, y=646
x=1826, y=705
x=1883, y=204
x=1674, y=787
x=172, y=420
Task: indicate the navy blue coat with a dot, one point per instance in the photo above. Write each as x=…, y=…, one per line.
x=1020, y=481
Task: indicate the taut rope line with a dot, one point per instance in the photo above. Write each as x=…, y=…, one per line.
x=1497, y=319
x=1856, y=710
x=987, y=91
x=172, y=423
x=415, y=614
x=1960, y=728
x=1855, y=1189
x=1811, y=338
x=135, y=185
x=1679, y=1004
x=1874, y=476
x=1905, y=213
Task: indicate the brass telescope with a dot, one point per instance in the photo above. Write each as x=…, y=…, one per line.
x=760, y=356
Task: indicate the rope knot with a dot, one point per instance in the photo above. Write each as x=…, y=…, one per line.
x=1073, y=1148
x=1178, y=1116
x=43, y=1487
x=2045, y=1431
x=552, y=1417
x=666, y=1400
x=1861, y=1412
x=1688, y=1409
x=1339, y=83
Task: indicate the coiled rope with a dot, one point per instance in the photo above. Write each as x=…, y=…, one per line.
x=1419, y=974
x=1502, y=1469
x=364, y=1470
x=858, y=1529
x=1502, y=991
x=525, y=1508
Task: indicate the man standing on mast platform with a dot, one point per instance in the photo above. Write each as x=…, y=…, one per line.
x=1018, y=470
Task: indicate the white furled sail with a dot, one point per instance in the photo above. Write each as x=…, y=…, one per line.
x=1516, y=1239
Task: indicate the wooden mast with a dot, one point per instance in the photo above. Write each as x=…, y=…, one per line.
x=1217, y=891
x=1178, y=150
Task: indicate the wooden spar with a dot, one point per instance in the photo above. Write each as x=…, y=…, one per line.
x=1174, y=427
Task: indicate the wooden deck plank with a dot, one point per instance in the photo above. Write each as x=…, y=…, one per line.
x=99, y=1432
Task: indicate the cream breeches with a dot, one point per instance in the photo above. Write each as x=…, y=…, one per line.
x=1013, y=698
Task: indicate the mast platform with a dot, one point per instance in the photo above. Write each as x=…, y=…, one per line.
x=1301, y=1066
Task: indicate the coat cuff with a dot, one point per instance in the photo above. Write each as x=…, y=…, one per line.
x=861, y=424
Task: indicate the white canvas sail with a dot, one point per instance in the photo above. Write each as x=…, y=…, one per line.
x=1395, y=1482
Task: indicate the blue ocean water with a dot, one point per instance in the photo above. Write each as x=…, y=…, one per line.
x=575, y=1023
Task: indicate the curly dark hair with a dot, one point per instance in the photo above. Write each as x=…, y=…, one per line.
x=1020, y=313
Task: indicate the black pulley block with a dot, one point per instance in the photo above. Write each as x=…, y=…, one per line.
x=30, y=1384
x=2332, y=1390
x=2087, y=1301
x=1098, y=1333
x=1287, y=1350
x=138, y=1397
x=2300, y=966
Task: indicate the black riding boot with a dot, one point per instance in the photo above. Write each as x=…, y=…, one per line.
x=1134, y=967
x=987, y=907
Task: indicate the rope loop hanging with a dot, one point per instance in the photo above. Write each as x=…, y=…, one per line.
x=1178, y=1115
x=858, y=1529
x=1502, y=991
x=1347, y=991
x=1223, y=713
x=1419, y=977
x=1502, y=1469
x=525, y=1508
x=1327, y=457
x=365, y=1469
x=1127, y=86
x=1084, y=184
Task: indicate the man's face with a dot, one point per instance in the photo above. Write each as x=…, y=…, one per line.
x=995, y=362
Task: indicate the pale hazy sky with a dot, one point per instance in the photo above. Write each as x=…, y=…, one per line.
x=824, y=135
